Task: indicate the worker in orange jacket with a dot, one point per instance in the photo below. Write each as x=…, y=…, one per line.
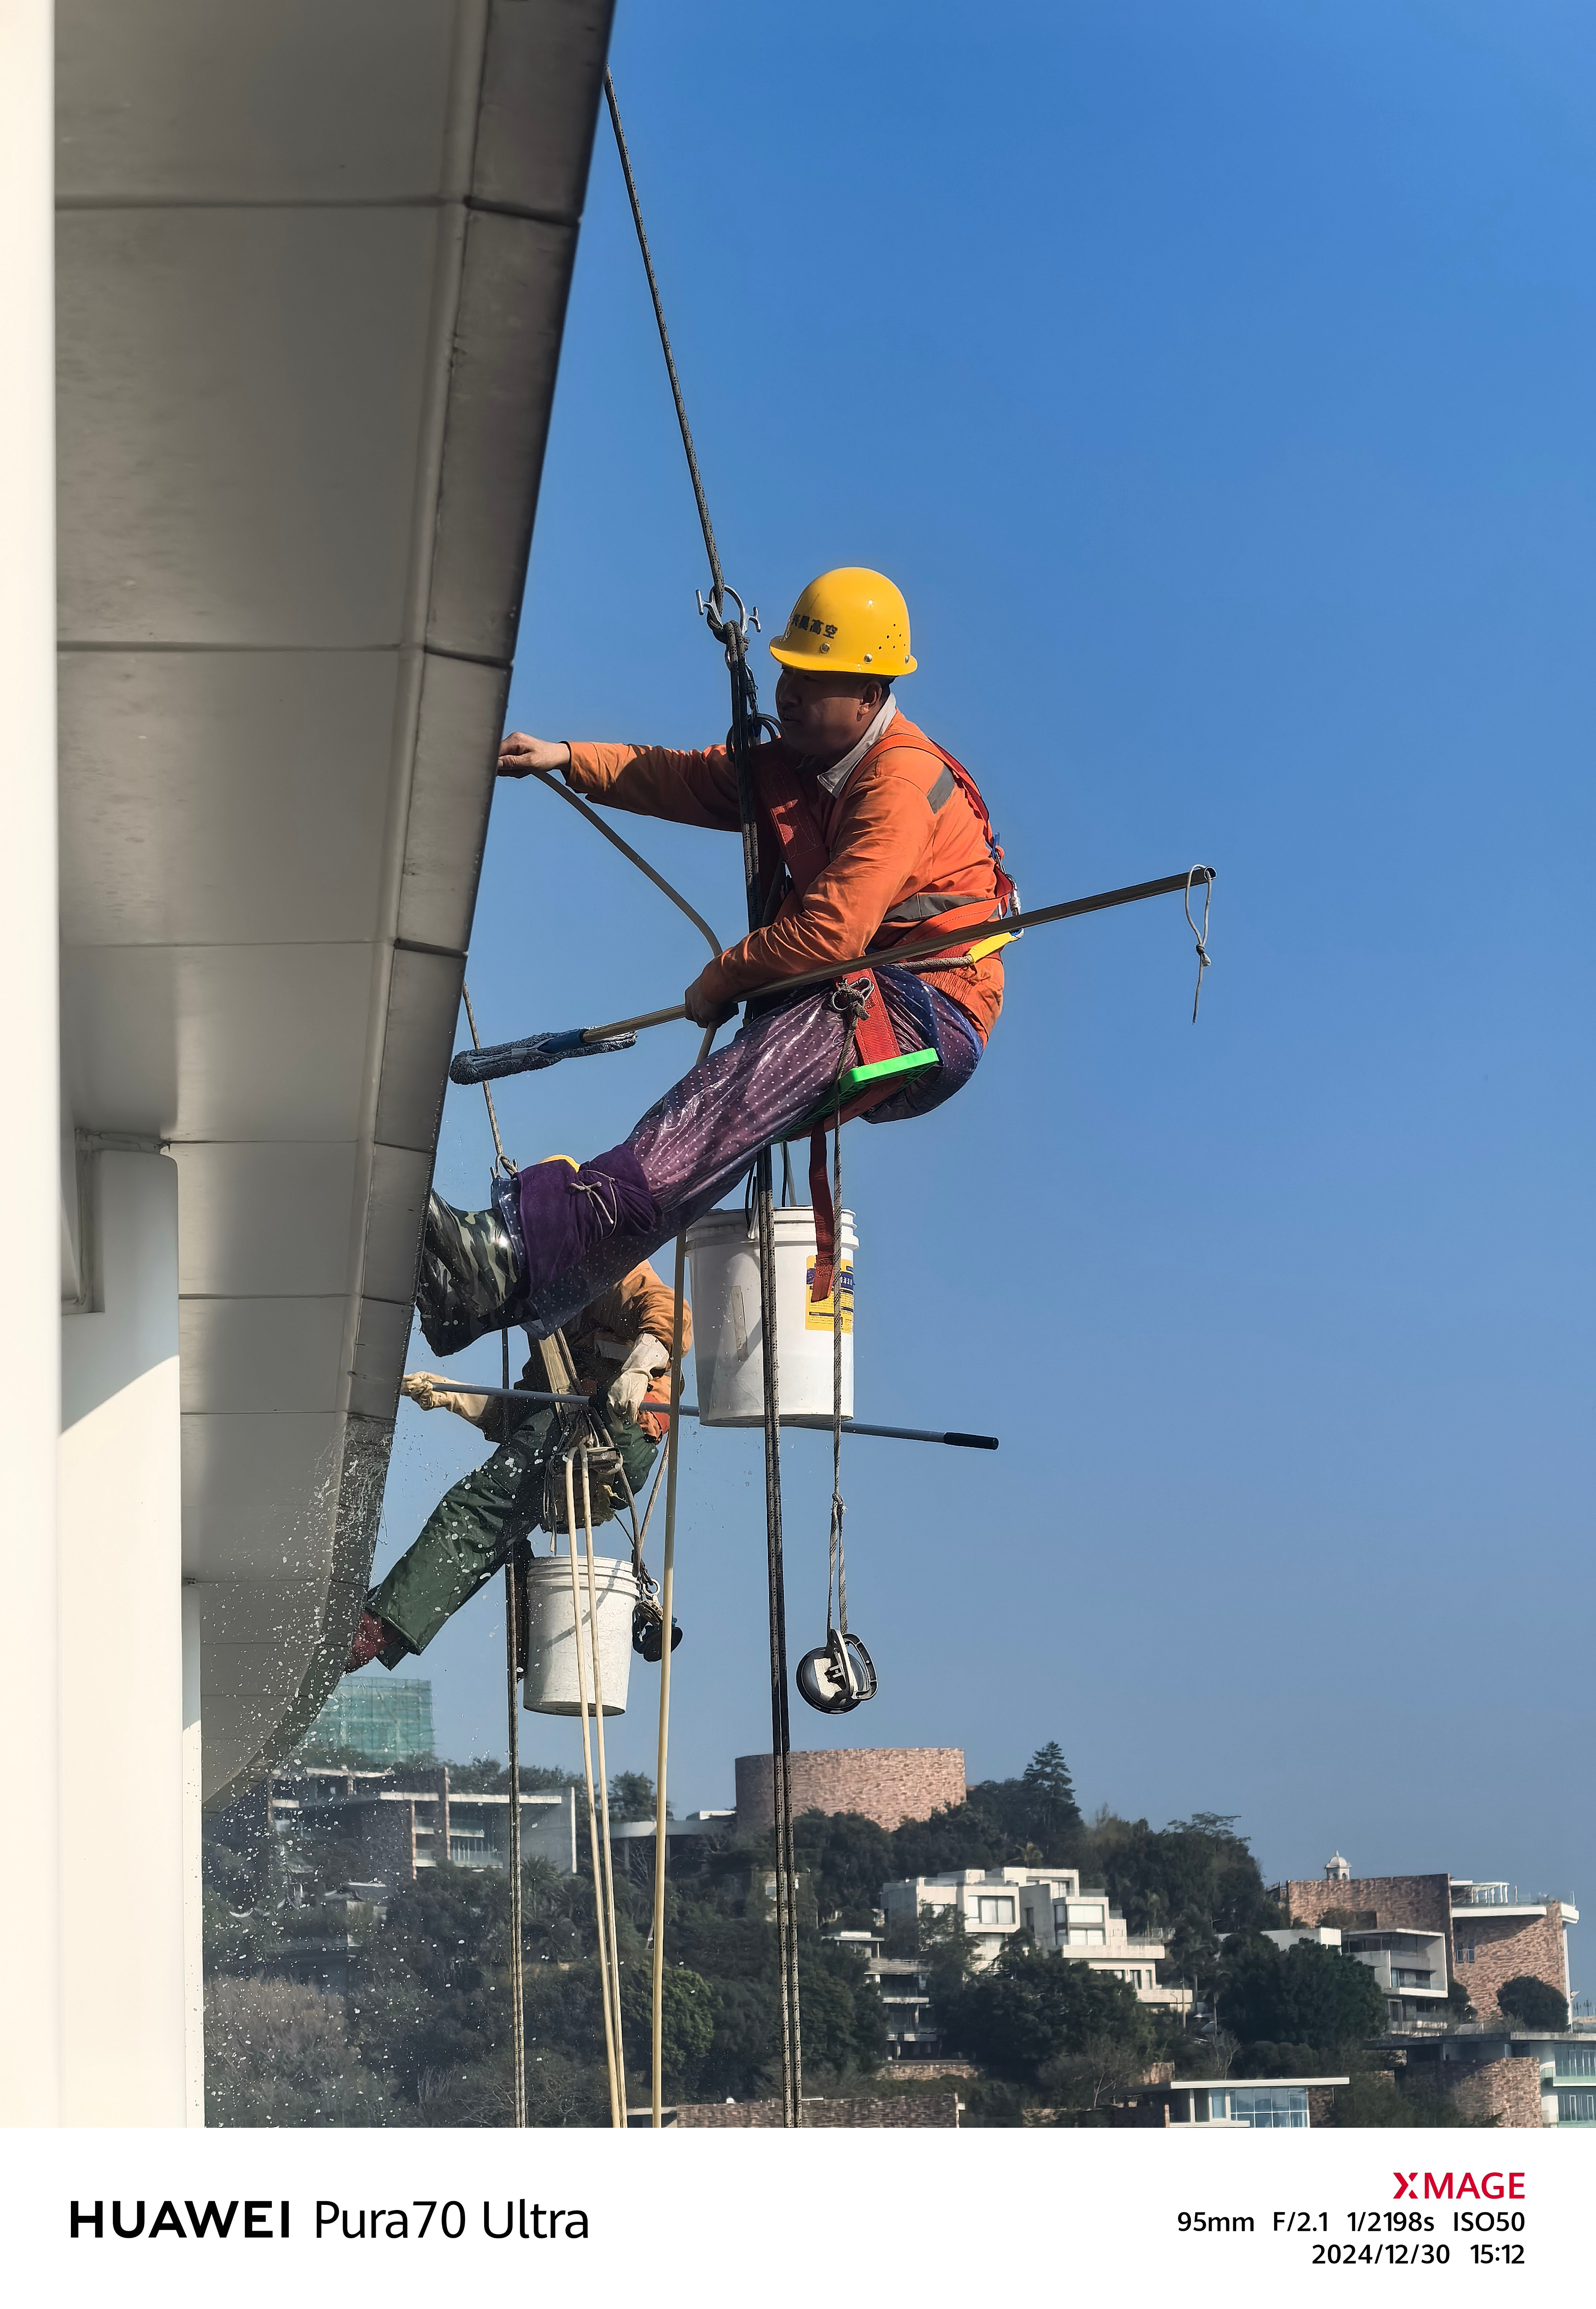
x=870, y=835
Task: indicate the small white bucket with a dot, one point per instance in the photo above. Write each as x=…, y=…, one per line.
x=728, y=1351
x=550, y=1685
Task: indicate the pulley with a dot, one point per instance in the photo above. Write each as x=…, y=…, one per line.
x=838, y=1675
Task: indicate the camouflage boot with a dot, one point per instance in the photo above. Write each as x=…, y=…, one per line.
x=470, y=1276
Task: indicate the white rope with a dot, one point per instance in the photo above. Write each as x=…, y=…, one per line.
x=613, y=1986
x=616, y=2096
x=512, y=1586
x=501, y=1161
x=667, y=1596
x=1203, y=956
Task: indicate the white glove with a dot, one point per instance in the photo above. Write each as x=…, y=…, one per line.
x=646, y=1360
x=425, y=1390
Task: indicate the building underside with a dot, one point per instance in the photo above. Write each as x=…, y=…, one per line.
x=311, y=266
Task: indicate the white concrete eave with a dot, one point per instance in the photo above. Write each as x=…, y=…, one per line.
x=313, y=264
x=1466, y=1913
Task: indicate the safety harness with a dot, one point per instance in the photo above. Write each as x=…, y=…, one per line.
x=872, y=1039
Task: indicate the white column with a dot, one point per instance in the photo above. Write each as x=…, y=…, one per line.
x=125, y=2032
x=194, y=1920
x=30, y=1058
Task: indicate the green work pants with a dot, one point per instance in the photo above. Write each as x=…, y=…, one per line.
x=473, y=1528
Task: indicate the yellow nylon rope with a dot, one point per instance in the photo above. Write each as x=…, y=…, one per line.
x=613, y=1983
x=617, y=2095
x=667, y=1592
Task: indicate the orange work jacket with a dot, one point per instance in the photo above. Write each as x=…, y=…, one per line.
x=902, y=841
x=600, y=1339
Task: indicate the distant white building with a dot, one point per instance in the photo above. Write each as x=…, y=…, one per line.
x=904, y=1987
x=1261, y=2105
x=1411, y=1966
x=1052, y=1907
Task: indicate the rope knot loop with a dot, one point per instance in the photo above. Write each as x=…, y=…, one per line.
x=1203, y=956
x=851, y=998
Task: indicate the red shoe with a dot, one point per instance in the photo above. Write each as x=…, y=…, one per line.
x=370, y=1638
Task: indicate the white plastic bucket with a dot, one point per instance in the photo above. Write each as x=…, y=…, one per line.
x=728, y=1350
x=550, y=1685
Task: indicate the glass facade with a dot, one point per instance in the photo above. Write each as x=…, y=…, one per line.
x=1577, y=2108
x=1265, y=2107
x=383, y=1722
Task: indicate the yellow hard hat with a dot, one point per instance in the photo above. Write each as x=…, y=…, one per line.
x=848, y=622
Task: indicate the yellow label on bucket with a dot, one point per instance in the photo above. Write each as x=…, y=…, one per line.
x=819, y=1317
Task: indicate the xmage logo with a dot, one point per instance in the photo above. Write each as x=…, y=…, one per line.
x=1458, y=2185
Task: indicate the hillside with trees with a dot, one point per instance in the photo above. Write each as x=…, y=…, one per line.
x=421, y=2037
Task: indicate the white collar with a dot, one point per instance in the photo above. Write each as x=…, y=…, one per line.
x=838, y=775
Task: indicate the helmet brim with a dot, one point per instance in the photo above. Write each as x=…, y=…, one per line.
x=809, y=661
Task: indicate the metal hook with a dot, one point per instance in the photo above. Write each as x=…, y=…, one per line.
x=713, y=611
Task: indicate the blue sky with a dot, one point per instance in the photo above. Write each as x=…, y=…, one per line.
x=1217, y=383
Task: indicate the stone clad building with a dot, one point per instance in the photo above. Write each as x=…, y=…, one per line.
x=1491, y=1935
x=886, y=1785
x=1496, y=1938
x=1419, y=1903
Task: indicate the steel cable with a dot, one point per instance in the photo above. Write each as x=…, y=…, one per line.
x=732, y=633
x=705, y=524
x=549, y=779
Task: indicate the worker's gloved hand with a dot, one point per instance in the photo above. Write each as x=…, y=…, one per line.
x=427, y=1391
x=706, y=1009
x=520, y=755
x=627, y=1390
x=366, y=1643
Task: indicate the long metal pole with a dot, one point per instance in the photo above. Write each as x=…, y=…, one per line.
x=534, y=1051
x=920, y=949
x=690, y=1411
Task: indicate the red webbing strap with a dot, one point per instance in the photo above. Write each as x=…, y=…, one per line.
x=957, y=917
x=806, y=853
x=820, y=1195
x=874, y=1038
x=798, y=830
x=807, y=856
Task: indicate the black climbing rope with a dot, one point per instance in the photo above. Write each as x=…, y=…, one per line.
x=504, y=1167
x=710, y=547
x=731, y=630
x=839, y=1675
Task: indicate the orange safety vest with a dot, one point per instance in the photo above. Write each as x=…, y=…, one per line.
x=806, y=853
x=788, y=805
